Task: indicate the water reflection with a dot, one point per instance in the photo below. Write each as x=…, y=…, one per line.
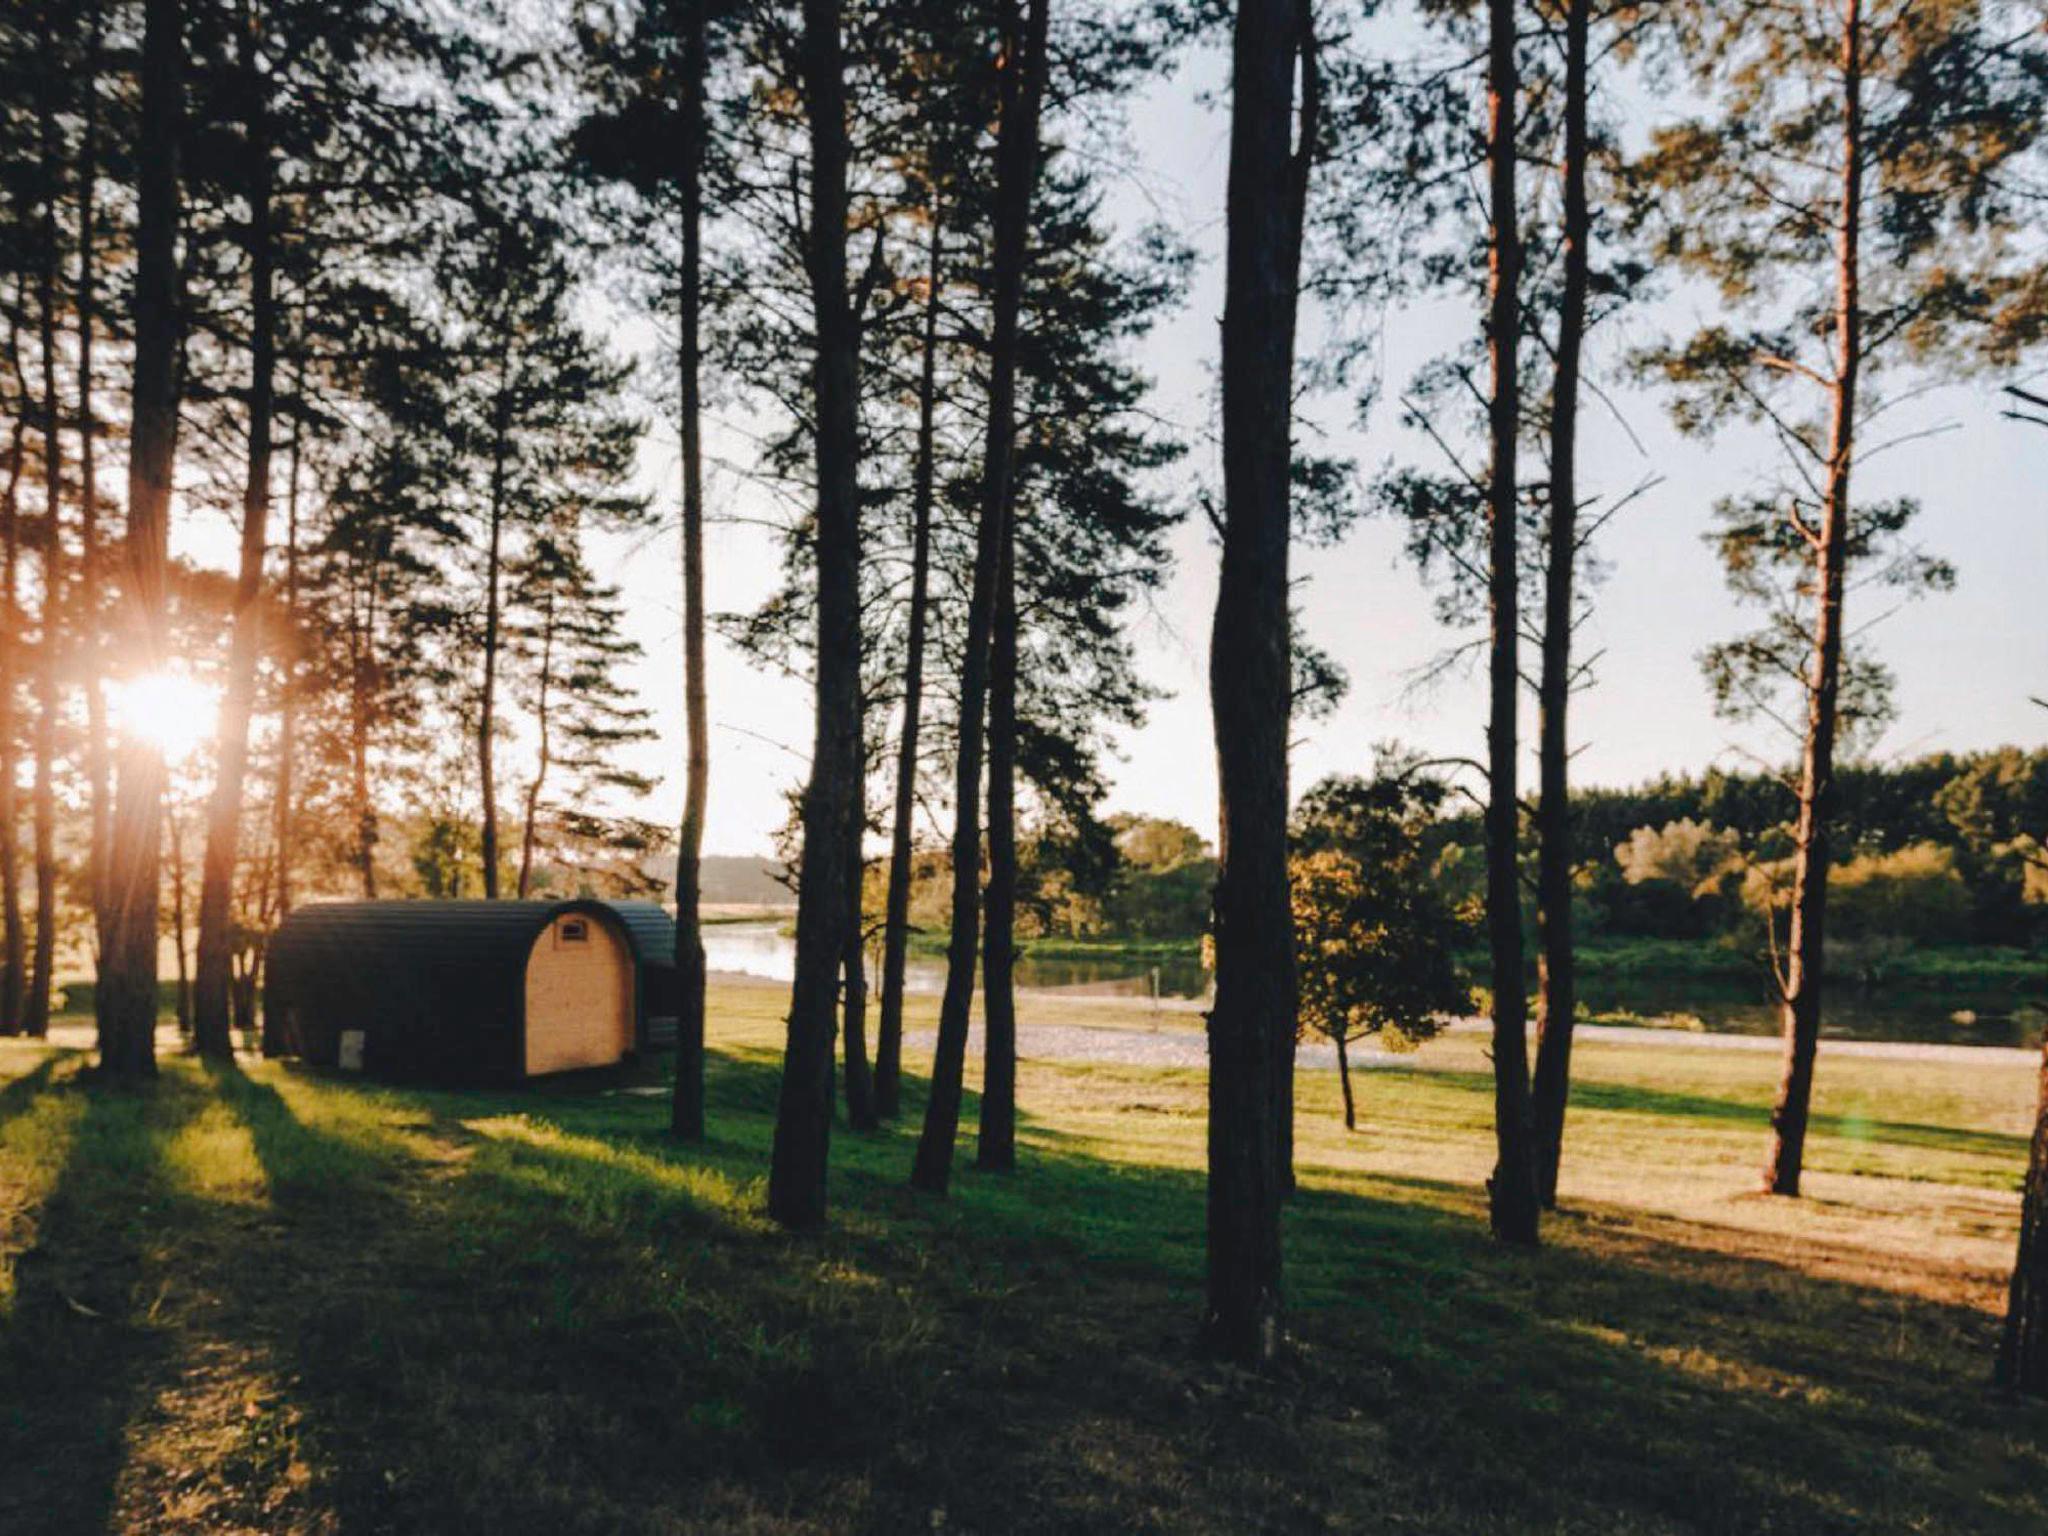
x=764, y=949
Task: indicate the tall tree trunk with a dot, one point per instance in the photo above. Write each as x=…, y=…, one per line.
x=1344, y=1082
x=99, y=763
x=860, y=1077
x=1512, y=1189
x=494, y=564
x=13, y=935
x=540, y=768
x=1250, y=678
x=2023, y=1349
x=686, y=1108
x=1557, y=965
x=126, y=995
x=212, y=996
x=285, y=799
x=1023, y=88
x=178, y=947
x=1812, y=850
x=362, y=683
x=996, y=1143
x=42, y=966
x=896, y=911
x=288, y=660
x=803, y=1119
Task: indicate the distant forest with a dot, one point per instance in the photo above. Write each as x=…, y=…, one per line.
x=1940, y=849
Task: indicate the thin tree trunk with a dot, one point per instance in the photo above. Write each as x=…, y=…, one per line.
x=1023, y=87
x=13, y=935
x=860, y=1077
x=487, y=704
x=2023, y=1349
x=1512, y=1189
x=184, y=981
x=996, y=1143
x=1344, y=1081
x=43, y=960
x=1557, y=967
x=286, y=829
x=1250, y=678
x=126, y=994
x=362, y=680
x=1812, y=837
x=896, y=912
x=98, y=761
x=288, y=660
x=212, y=997
x=803, y=1120
x=686, y=1108
x=540, y=769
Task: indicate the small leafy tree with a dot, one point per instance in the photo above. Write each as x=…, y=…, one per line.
x=1375, y=938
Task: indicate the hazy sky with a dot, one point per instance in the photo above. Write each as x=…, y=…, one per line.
x=1966, y=662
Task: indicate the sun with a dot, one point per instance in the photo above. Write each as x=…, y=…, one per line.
x=171, y=711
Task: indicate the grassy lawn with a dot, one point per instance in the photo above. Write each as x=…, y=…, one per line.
x=269, y=1301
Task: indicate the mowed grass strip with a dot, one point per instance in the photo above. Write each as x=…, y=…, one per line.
x=269, y=1300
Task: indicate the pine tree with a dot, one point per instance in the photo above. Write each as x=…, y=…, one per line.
x=1252, y=1025
x=125, y=998
x=1871, y=152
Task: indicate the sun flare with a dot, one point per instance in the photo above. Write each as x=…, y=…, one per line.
x=172, y=711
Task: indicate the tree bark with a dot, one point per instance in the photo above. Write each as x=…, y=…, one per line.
x=803, y=1119
x=686, y=1107
x=42, y=964
x=996, y=1141
x=494, y=562
x=126, y=1000
x=1812, y=849
x=1344, y=1082
x=13, y=933
x=178, y=948
x=1556, y=966
x=212, y=995
x=288, y=660
x=860, y=1077
x=99, y=766
x=1250, y=683
x=286, y=827
x=362, y=685
x=2023, y=1348
x=896, y=911
x=1023, y=86
x=1512, y=1189
x=540, y=768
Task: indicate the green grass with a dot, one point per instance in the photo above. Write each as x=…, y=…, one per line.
x=275, y=1301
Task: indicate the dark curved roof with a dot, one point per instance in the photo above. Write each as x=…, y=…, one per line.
x=440, y=980
x=651, y=929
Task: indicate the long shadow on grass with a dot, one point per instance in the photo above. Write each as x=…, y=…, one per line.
x=78, y=1351
x=573, y=1325
x=1624, y=1098
x=21, y=1092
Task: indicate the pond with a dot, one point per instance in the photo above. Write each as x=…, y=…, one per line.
x=1948, y=1016
x=765, y=949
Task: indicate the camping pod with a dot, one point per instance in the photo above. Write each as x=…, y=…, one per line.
x=457, y=991
x=654, y=946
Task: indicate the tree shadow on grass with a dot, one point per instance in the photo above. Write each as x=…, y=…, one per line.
x=1625, y=1098
x=78, y=1351
x=571, y=1324
x=19, y=1092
